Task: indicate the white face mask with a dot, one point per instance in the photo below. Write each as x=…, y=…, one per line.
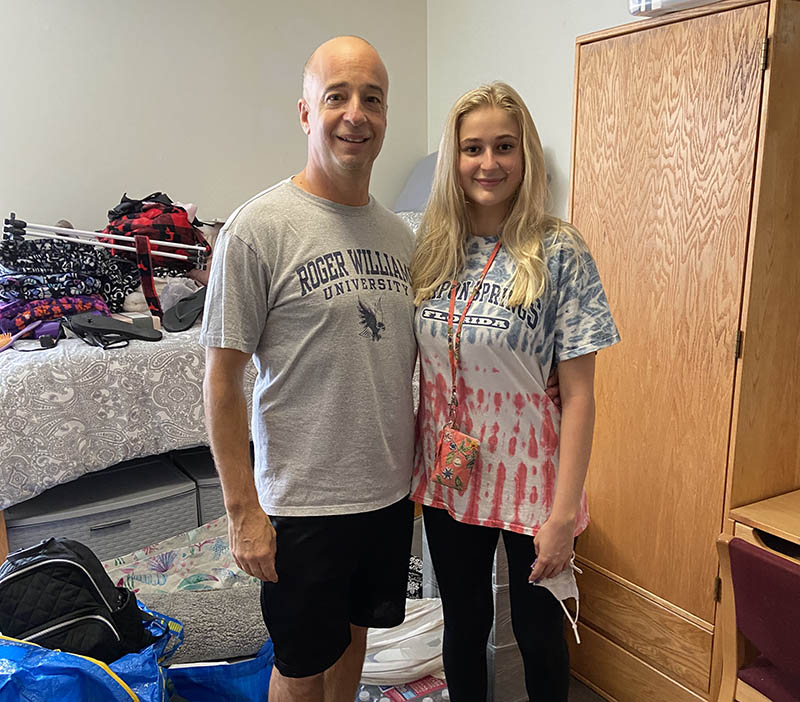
x=564, y=587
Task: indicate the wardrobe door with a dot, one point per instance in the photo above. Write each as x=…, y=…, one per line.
x=665, y=142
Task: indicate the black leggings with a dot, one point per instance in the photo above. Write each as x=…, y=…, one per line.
x=462, y=557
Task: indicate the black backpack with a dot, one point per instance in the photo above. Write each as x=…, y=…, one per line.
x=57, y=594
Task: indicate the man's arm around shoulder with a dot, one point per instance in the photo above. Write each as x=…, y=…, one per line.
x=252, y=537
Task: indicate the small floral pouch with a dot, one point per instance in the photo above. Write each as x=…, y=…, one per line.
x=456, y=454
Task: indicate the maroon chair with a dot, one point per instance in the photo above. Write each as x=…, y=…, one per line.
x=761, y=602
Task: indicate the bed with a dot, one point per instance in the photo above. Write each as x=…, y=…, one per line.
x=76, y=409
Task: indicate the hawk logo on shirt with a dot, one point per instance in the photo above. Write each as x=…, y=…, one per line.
x=372, y=319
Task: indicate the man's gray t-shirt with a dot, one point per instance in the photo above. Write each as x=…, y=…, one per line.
x=319, y=293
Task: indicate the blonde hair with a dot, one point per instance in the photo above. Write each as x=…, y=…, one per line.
x=441, y=240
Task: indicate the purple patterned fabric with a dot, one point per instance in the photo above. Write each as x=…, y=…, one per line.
x=17, y=315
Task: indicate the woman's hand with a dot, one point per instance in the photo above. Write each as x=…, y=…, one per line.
x=554, y=545
x=556, y=538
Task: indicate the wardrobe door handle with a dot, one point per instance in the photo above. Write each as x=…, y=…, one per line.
x=108, y=525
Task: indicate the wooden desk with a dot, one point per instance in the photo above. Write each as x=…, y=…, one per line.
x=778, y=515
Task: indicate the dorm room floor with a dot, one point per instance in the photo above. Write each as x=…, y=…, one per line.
x=578, y=692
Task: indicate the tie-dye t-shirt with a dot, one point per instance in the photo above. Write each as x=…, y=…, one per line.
x=506, y=357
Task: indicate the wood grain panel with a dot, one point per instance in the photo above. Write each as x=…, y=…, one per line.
x=766, y=444
x=743, y=531
x=779, y=515
x=658, y=636
x=670, y=18
x=619, y=675
x=666, y=604
x=745, y=693
x=726, y=639
x=666, y=128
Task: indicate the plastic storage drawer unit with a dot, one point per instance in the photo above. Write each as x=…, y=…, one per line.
x=502, y=633
x=198, y=464
x=506, y=674
x=114, y=511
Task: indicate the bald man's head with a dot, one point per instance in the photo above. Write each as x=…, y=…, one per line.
x=343, y=111
x=348, y=44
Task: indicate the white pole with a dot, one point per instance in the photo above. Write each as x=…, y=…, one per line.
x=76, y=240
x=96, y=235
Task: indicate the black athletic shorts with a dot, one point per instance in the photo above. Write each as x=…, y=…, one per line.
x=334, y=571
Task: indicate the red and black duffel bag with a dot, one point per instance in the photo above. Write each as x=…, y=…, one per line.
x=159, y=219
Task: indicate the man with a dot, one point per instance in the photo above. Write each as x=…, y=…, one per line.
x=310, y=278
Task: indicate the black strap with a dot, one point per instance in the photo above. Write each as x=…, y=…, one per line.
x=128, y=204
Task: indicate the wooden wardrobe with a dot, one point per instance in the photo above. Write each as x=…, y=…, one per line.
x=686, y=184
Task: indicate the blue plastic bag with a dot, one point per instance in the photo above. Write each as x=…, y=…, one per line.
x=142, y=671
x=31, y=673
x=245, y=681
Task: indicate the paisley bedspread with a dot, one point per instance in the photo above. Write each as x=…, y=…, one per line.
x=76, y=408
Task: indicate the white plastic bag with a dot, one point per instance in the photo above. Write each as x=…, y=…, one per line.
x=409, y=651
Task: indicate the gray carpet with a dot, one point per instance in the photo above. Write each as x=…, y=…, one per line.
x=217, y=624
x=578, y=692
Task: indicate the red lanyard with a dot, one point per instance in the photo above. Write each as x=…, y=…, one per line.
x=454, y=340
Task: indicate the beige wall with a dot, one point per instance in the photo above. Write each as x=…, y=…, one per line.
x=529, y=44
x=198, y=98
x=193, y=97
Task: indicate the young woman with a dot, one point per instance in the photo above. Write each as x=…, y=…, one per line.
x=487, y=349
